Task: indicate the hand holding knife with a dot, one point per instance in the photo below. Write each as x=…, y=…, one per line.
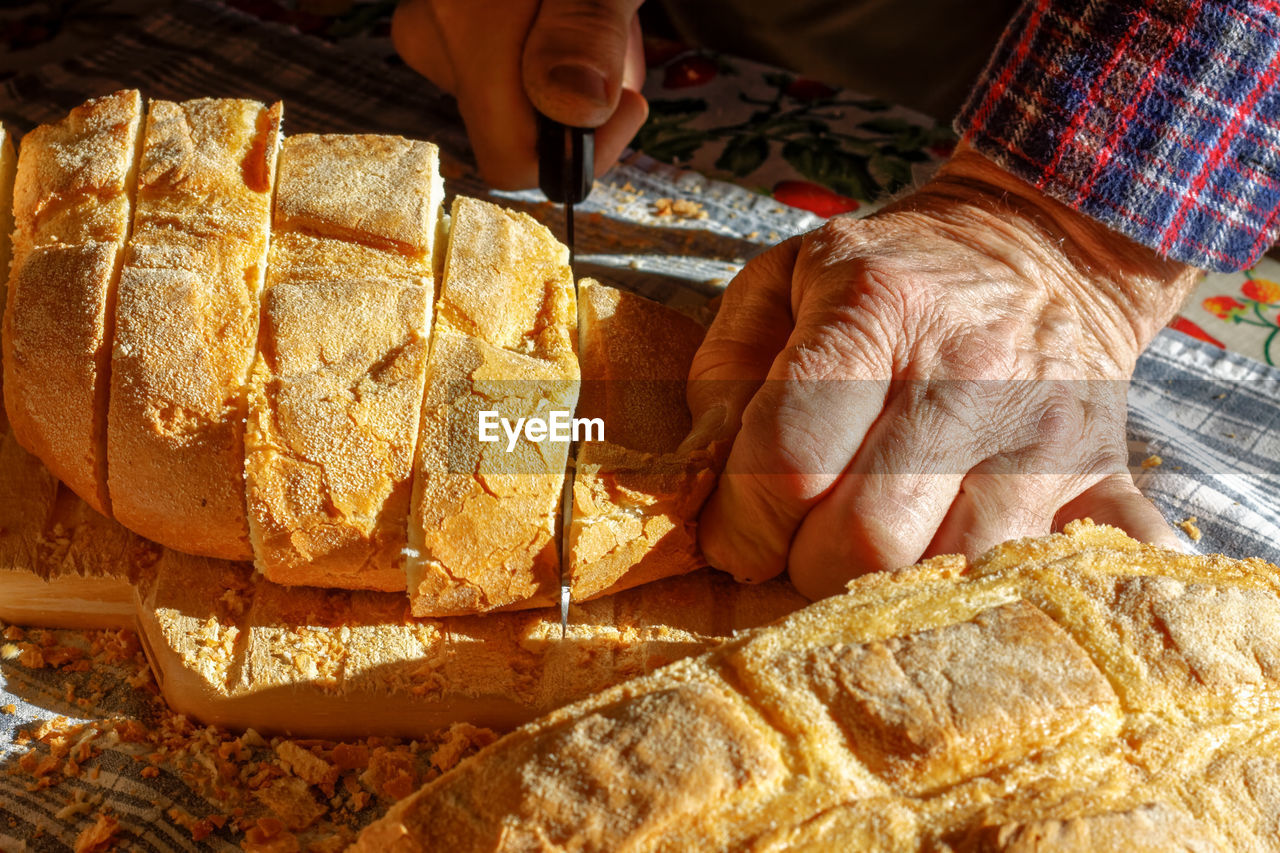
x=566, y=171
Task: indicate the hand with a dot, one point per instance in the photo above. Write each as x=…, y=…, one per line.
x=939, y=377
x=581, y=62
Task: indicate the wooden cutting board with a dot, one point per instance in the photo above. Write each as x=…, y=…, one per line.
x=230, y=648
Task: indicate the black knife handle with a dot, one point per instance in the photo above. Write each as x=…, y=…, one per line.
x=566, y=161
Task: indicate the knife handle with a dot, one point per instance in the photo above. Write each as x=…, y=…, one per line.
x=566, y=161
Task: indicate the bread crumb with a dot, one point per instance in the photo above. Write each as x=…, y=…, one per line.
x=461, y=739
x=306, y=766
x=9, y=651
x=1188, y=526
x=257, y=790
x=291, y=802
x=1152, y=461
x=100, y=836
x=9, y=709
x=680, y=208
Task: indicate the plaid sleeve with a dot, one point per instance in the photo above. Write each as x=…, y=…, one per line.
x=1160, y=118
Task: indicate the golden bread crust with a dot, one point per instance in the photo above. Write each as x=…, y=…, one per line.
x=73, y=207
x=187, y=323
x=336, y=392
x=483, y=520
x=636, y=494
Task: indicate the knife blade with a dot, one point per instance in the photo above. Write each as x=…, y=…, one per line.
x=566, y=171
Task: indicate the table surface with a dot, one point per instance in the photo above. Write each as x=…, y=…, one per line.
x=757, y=154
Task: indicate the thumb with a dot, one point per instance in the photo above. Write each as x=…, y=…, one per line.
x=575, y=58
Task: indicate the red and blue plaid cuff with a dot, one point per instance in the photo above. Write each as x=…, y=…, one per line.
x=1159, y=118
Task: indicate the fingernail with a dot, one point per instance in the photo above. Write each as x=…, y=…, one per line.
x=580, y=81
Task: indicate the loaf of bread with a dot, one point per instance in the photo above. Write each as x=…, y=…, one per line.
x=1080, y=692
x=187, y=323
x=282, y=350
x=336, y=395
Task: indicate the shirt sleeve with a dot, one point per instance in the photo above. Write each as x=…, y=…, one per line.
x=1160, y=118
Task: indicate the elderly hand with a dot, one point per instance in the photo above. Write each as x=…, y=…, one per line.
x=581, y=63
x=939, y=377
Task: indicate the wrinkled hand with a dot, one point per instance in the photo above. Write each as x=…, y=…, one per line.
x=581, y=62
x=942, y=376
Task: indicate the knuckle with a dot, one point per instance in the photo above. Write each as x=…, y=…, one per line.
x=582, y=24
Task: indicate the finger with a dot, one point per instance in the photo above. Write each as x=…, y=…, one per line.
x=417, y=35
x=803, y=426
x=750, y=328
x=575, y=58
x=995, y=506
x=477, y=57
x=886, y=507
x=616, y=134
x=1115, y=500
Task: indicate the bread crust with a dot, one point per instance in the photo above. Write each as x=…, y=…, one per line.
x=1070, y=693
x=637, y=494
x=336, y=392
x=73, y=205
x=187, y=323
x=483, y=520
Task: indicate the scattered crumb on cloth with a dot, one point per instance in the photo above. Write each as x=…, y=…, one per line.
x=261, y=794
x=1152, y=461
x=679, y=208
x=1189, y=527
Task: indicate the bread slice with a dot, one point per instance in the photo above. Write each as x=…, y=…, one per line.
x=187, y=323
x=1079, y=692
x=483, y=520
x=636, y=494
x=336, y=393
x=73, y=207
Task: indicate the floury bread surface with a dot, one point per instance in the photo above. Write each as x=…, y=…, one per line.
x=187, y=323
x=1080, y=693
x=292, y=367
x=73, y=205
x=483, y=522
x=336, y=394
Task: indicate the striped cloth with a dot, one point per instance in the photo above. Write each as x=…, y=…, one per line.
x=1160, y=118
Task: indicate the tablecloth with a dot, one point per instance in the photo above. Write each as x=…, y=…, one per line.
x=739, y=140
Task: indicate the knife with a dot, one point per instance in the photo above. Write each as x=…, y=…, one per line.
x=566, y=170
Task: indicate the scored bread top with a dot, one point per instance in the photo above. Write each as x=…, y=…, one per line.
x=636, y=494
x=72, y=204
x=1080, y=691
x=187, y=323
x=381, y=191
x=337, y=386
x=483, y=520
